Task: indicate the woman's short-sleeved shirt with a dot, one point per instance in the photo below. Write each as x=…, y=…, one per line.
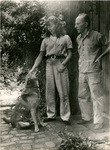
x=56, y=45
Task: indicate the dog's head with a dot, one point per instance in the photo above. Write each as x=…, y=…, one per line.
x=32, y=81
x=31, y=86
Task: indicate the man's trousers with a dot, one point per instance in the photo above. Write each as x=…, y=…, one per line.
x=91, y=96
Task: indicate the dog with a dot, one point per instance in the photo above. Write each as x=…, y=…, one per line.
x=28, y=103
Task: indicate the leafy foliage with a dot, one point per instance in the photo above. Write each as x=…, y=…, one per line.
x=21, y=38
x=72, y=142
x=21, y=30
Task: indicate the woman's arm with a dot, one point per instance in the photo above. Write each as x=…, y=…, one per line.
x=69, y=55
x=38, y=61
x=36, y=64
x=64, y=63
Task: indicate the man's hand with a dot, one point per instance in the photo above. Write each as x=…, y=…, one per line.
x=98, y=59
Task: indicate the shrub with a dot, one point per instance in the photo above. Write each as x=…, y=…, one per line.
x=79, y=142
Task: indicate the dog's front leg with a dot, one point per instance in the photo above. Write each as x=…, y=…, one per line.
x=33, y=114
x=40, y=119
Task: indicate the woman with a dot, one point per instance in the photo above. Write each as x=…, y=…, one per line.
x=57, y=48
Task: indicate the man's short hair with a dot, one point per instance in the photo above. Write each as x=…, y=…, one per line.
x=86, y=18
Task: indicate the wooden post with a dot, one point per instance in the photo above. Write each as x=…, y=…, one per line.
x=109, y=76
x=99, y=15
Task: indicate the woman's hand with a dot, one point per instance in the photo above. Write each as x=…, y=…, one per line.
x=36, y=64
x=31, y=73
x=61, y=68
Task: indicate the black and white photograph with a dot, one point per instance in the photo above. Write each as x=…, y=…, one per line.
x=54, y=75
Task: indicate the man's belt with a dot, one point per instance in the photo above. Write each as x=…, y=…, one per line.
x=54, y=56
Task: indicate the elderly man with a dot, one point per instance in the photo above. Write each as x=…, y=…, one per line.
x=90, y=45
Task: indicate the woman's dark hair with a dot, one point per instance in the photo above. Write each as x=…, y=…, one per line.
x=57, y=22
x=86, y=18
